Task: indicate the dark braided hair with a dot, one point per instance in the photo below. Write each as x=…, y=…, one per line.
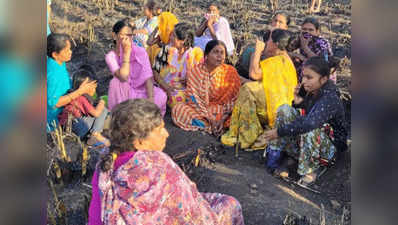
x=280, y=38
x=153, y=7
x=312, y=21
x=284, y=14
x=85, y=71
x=131, y=120
x=212, y=44
x=119, y=25
x=319, y=65
x=56, y=42
x=185, y=32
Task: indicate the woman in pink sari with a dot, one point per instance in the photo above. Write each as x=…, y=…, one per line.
x=130, y=66
x=136, y=183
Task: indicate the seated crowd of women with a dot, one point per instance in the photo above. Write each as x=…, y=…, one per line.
x=282, y=99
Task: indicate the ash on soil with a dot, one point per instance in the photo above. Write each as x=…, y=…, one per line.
x=271, y=199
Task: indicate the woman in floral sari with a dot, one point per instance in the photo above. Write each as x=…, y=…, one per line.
x=144, y=26
x=136, y=183
x=212, y=88
x=182, y=57
x=255, y=108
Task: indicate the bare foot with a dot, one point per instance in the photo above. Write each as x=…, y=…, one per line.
x=308, y=178
x=97, y=137
x=317, y=10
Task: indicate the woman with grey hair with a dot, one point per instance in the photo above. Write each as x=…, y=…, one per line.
x=136, y=183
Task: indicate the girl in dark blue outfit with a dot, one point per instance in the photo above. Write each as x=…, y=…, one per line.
x=314, y=127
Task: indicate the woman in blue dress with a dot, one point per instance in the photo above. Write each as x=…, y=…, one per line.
x=58, y=79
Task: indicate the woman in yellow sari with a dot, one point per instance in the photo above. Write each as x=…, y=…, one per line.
x=159, y=39
x=255, y=108
x=212, y=88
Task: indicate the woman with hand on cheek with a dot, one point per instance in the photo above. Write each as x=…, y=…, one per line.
x=322, y=109
x=130, y=66
x=310, y=43
x=214, y=27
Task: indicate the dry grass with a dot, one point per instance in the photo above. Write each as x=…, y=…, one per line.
x=293, y=218
x=89, y=23
x=58, y=155
x=247, y=18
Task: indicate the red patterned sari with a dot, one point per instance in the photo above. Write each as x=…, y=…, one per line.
x=210, y=97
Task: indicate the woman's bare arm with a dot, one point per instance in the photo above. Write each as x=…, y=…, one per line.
x=124, y=72
x=254, y=71
x=201, y=28
x=84, y=88
x=153, y=38
x=98, y=109
x=149, y=88
x=210, y=23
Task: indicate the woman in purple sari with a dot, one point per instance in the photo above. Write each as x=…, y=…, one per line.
x=136, y=183
x=310, y=44
x=130, y=66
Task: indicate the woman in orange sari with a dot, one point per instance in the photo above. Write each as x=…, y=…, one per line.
x=212, y=88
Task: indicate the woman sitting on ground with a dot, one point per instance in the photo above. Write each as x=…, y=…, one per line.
x=182, y=57
x=129, y=64
x=310, y=43
x=136, y=183
x=255, y=108
x=212, y=88
x=144, y=26
x=279, y=21
x=58, y=79
x=214, y=27
x=322, y=108
x=86, y=116
x=158, y=41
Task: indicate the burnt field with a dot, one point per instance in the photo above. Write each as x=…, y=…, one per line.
x=264, y=198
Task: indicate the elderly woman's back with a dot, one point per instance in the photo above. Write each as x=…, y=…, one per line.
x=144, y=185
